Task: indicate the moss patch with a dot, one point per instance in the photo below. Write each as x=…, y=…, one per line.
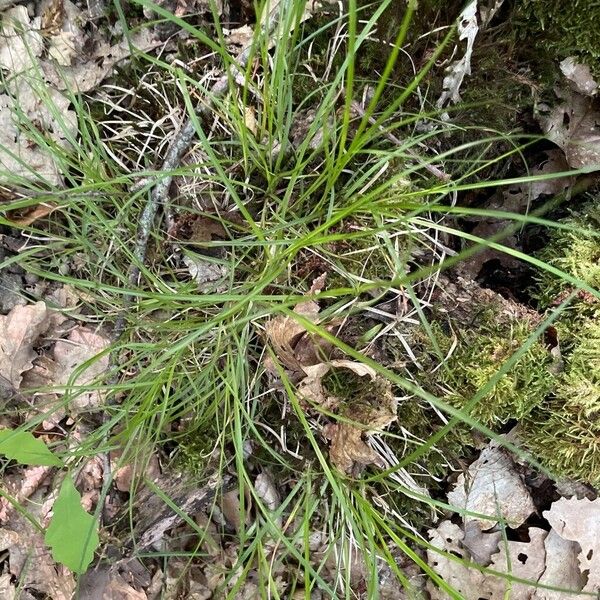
x=563, y=28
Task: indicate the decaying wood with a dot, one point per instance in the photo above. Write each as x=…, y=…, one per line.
x=156, y=518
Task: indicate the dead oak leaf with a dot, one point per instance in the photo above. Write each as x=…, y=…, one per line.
x=19, y=331
x=573, y=127
x=311, y=390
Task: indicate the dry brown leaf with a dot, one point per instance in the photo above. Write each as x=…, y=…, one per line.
x=90, y=482
x=493, y=487
x=124, y=476
x=374, y=412
x=24, y=485
x=311, y=391
x=348, y=448
x=19, y=331
x=579, y=521
x=293, y=346
x=31, y=563
x=118, y=589
x=26, y=218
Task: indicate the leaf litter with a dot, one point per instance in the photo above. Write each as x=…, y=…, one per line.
x=563, y=558
x=307, y=359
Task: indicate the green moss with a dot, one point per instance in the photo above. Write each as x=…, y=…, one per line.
x=478, y=355
x=564, y=434
x=563, y=28
x=575, y=252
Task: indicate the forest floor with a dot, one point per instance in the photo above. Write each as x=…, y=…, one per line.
x=298, y=300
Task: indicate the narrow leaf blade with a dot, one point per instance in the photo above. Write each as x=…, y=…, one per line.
x=26, y=449
x=73, y=533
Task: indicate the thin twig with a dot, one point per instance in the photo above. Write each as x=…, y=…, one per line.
x=438, y=173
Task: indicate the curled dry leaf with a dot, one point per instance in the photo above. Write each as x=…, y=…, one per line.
x=266, y=491
x=292, y=344
x=348, y=452
x=311, y=391
x=348, y=448
x=467, y=30
x=493, y=487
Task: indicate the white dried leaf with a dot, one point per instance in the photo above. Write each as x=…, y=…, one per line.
x=62, y=48
x=448, y=537
x=525, y=560
x=573, y=126
x=266, y=491
x=579, y=521
x=21, y=42
x=82, y=346
x=467, y=30
x=580, y=76
x=240, y=36
x=85, y=74
x=481, y=546
x=492, y=487
x=8, y=591
x=561, y=570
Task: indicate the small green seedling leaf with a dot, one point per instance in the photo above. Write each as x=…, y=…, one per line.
x=26, y=449
x=73, y=533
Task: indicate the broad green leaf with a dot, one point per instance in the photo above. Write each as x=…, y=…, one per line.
x=26, y=449
x=73, y=533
